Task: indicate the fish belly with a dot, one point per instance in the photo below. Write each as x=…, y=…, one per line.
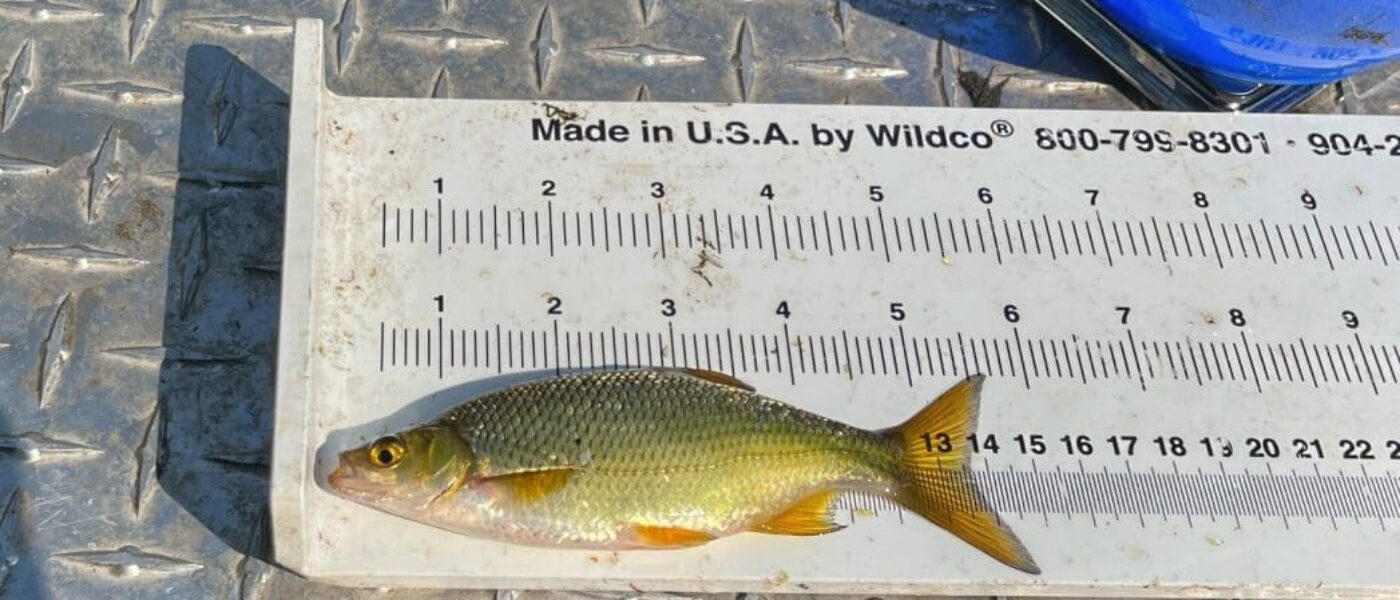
x=602, y=509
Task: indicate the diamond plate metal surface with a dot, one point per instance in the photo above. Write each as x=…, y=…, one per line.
x=141, y=149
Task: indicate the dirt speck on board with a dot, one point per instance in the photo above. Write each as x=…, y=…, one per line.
x=779, y=578
x=1361, y=34
x=552, y=111
x=611, y=558
x=147, y=218
x=704, y=264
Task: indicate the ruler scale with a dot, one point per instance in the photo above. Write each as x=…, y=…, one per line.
x=905, y=354
x=1224, y=244
x=1187, y=323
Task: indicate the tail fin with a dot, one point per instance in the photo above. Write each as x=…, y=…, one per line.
x=935, y=482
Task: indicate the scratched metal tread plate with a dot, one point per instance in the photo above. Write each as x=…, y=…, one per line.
x=141, y=150
x=1184, y=319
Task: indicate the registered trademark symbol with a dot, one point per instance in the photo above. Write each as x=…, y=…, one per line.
x=1002, y=128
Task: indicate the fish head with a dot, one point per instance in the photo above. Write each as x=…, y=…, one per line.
x=404, y=471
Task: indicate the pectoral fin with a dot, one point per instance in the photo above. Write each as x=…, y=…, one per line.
x=654, y=536
x=531, y=485
x=809, y=516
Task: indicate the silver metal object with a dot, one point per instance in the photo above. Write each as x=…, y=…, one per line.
x=141, y=161
x=1166, y=83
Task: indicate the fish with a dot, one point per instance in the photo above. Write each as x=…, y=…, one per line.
x=647, y=458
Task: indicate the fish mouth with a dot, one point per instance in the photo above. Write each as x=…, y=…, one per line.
x=350, y=481
x=343, y=477
x=337, y=478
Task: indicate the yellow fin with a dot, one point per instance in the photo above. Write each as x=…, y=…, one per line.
x=532, y=485
x=935, y=482
x=718, y=377
x=656, y=536
x=809, y=516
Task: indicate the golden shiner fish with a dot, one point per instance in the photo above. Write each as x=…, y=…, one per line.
x=667, y=458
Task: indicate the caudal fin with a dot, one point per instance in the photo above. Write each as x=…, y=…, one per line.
x=935, y=480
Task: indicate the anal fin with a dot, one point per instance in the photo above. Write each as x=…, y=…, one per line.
x=658, y=536
x=809, y=516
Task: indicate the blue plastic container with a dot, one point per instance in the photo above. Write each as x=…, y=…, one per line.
x=1266, y=41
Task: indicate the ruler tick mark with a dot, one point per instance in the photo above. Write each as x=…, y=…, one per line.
x=1369, y=373
x=787, y=235
x=660, y=230
x=1267, y=241
x=1273, y=359
x=1021, y=353
x=981, y=238
x=1380, y=248
x=1239, y=235
x=1245, y=340
x=1103, y=235
x=869, y=233
x=792, y=373
x=1323, y=240
x=884, y=238
x=1132, y=343
x=607, y=237
x=992, y=228
x=719, y=245
x=729, y=220
x=1118, y=238
x=898, y=239
x=884, y=366
x=1352, y=243
x=826, y=223
x=772, y=233
x=1393, y=250
x=689, y=234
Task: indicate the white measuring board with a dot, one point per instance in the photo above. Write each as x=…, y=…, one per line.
x=1187, y=322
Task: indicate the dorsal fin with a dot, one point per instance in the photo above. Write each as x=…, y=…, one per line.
x=718, y=377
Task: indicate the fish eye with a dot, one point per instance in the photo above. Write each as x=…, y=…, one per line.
x=386, y=452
